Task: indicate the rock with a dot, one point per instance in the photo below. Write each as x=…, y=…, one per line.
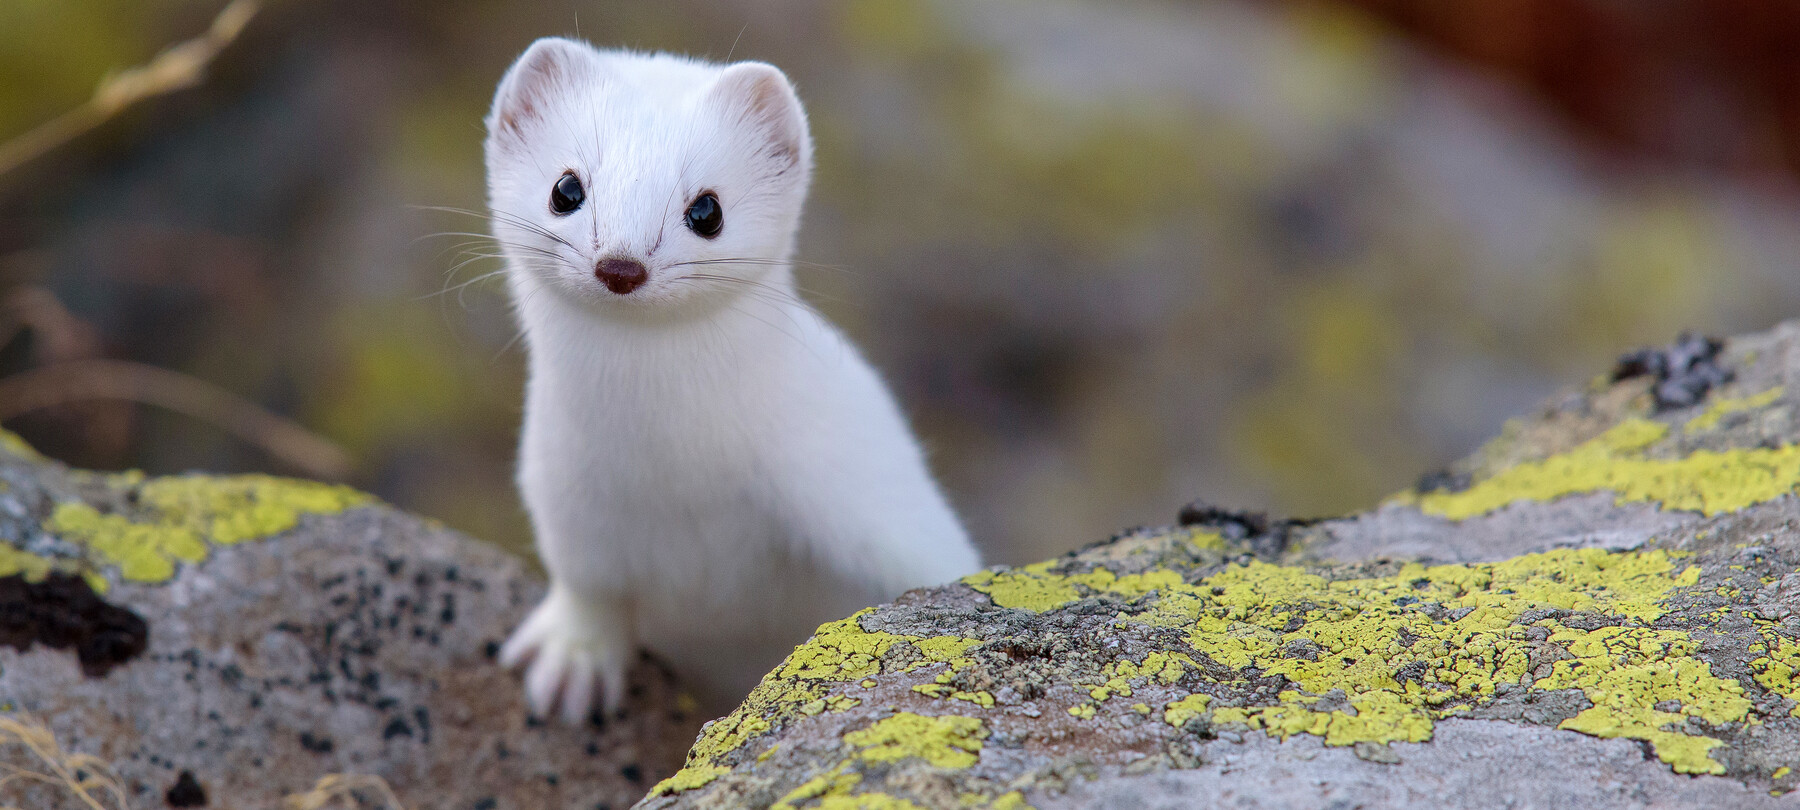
x=1595, y=610
x=228, y=641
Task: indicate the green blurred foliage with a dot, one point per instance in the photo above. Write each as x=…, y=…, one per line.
x=1102, y=280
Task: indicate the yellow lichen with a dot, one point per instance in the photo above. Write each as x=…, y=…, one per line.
x=945, y=742
x=1381, y=659
x=1357, y=636
x=228, y=510
x=1035, y=588
x=1179, y=712
x=837, y=783
x=1725, y=406
x=1705, y=481
x=1777, y=668
x=14, y=561
x=866, y=801
x=1029, y=588
x=688, y=778
x=1360, y=634
x=843, y=651
x=11, y=443
x=838, y=652
x=187, y=512
x=1012, y=800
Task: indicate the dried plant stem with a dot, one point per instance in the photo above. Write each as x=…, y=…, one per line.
x=79, y=380
x=178, y=67
x=86, y=776
x=343, y=786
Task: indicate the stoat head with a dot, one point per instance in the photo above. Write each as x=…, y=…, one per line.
x=643, y=183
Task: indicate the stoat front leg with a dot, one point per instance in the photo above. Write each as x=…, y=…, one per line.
x=574, y=642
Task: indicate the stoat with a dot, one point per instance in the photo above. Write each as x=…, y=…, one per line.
x=710, y=467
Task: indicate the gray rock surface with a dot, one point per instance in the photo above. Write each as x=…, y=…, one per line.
x=356, y=642
x=1600, y=609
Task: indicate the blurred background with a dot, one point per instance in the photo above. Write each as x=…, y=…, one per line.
x=1112, y=256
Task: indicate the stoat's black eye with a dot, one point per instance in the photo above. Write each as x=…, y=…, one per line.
x=706, y=216
x=566, y=195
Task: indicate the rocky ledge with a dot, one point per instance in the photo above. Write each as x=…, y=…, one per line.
x=1598, y=610
x=229, y=641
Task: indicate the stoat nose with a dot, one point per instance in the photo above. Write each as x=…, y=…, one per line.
x=621, y=275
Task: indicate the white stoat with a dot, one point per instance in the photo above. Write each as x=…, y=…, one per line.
x=711, y=468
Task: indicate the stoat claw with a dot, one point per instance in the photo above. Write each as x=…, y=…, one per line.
x=573, y=647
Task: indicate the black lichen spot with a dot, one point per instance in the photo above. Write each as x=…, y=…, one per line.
x=316, y=744
x=485, y=804
x=1684, y=371
x=1268, y=537
x=1234, y=524
x=62, y=611
x=397, y=727
x=632, y=773
x=491, y=650
x=186, y=792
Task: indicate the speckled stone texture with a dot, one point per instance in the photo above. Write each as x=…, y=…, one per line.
x=358, y=641
x=1599, y=609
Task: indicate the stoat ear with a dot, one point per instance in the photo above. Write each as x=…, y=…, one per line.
x=761, y=97
x=551, y=65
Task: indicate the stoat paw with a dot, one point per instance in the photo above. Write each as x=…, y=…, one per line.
x=574, y=648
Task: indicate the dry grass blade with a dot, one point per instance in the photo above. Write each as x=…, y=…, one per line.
x=86, y=777
x=178, y=67
x=343, y=787
x=118, y=379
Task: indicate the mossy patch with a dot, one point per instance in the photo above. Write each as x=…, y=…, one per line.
x=1705, y=481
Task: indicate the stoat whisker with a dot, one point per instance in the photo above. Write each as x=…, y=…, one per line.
x=767, y=293
x=797, y=288
x=505, y=218
x=754, y=287
x=764, y=262
x=520, y=334
x=764, y=321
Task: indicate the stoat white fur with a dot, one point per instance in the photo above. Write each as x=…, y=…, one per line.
x=711, y=468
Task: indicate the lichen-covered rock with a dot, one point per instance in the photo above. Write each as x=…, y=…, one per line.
x=230, y=640
x=1600, y=609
